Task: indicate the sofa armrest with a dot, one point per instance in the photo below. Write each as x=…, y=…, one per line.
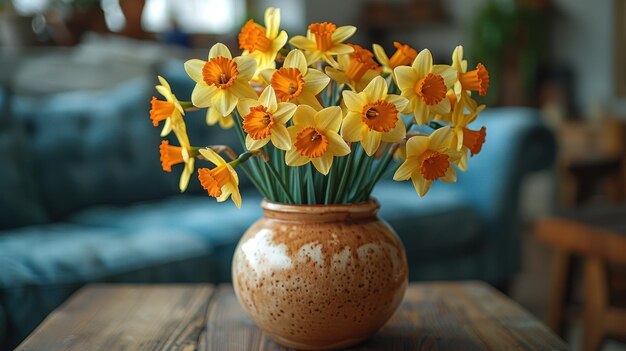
x=517, y=143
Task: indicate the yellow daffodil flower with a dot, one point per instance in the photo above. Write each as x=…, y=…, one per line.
x=213, y=117
x=220, y=182
x=476, y=80
x=428, y=158
x=373, y=116
x=356, y=69
x=403, y=56
x=264, y=120
x=323, y=41
x=464, y=139
x=314, y=136
x=169, y=110
x=172, y=155
x=295, y=82
x=425, y=86
x=262, y=44
x=221, y=81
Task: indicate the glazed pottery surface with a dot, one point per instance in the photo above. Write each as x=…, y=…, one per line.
x=320, y=276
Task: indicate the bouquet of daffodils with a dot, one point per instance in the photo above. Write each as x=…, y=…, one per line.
x=321, y=121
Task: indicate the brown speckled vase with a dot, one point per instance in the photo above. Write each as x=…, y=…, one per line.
x=320, y=276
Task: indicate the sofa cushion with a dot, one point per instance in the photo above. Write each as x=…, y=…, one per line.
x=441, y=223
x=19, y=203
x=43, y=265
x=221, y=225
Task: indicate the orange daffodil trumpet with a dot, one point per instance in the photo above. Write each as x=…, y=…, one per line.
x=323, y=124
x=425, y=86
x=403, y=56
x=295, y=82
x=356, y=69
x=222, y=181
x=373, y=116
x=262, y=44
x=428, y=158
x=169, y=110
x=222, y=80
x=264, y=120
x=324, y=41
x=315, y=138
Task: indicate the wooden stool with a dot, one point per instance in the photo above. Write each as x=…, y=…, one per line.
x=598, y=236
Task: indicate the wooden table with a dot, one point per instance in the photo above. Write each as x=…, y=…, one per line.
x=598, y=236
x=442, y=316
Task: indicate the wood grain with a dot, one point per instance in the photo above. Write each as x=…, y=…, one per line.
x=125, y=317
x=433, y=316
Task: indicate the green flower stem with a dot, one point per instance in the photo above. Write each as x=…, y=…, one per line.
x=280, y=182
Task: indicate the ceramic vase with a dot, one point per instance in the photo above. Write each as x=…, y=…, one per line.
x=320, y=276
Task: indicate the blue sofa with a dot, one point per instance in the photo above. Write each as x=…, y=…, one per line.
x=83, y=200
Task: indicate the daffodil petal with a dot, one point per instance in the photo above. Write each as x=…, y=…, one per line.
x=296, y=59
x=315, y=81
x=421, y=185
x=371, y=142
x=212, y=156
x=272, y=22
x=376, y=89
x=219, y=50
x=284, y=112
x=448, y=74
x=442, y=107
x=323, y=163
x=423, y=63
x=337, y=75
x=329, y=118
x=398, y=101
x=396, y=134
x=186, y=175
x=303, y=43
x=440, y=139
x=354, y=102
x=307, y=98
x=280, y=137
x=416, y=145
x=268, y=98
x=343, y=33
x=227, y=122
x=267, y=74
x=421, y=112
x=336, y=145
x=252, y=144
x=450, y=176
x=340, y=49
x=242, y=89
x=380, y=54
x=406, y=77
x=212, y=116
x=225, y=102
x=304, y=116
x=352, y=127
x=246, y=67
x=244, y=105
x=202, y=94
x=406, y=169
x=294, y=159
x=167, y=127
x=194, y=69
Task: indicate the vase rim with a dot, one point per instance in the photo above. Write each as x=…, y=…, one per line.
x=353, y=210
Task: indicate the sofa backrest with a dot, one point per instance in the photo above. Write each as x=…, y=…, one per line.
x=93, y=147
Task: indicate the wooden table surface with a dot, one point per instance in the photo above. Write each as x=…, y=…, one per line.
x=433, y=316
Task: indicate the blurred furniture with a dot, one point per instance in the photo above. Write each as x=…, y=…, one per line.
x=84, y=198
x=598, y=236
x=590, y=161
x=441, y=316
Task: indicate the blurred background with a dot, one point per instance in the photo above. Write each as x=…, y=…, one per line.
x=83, y=198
